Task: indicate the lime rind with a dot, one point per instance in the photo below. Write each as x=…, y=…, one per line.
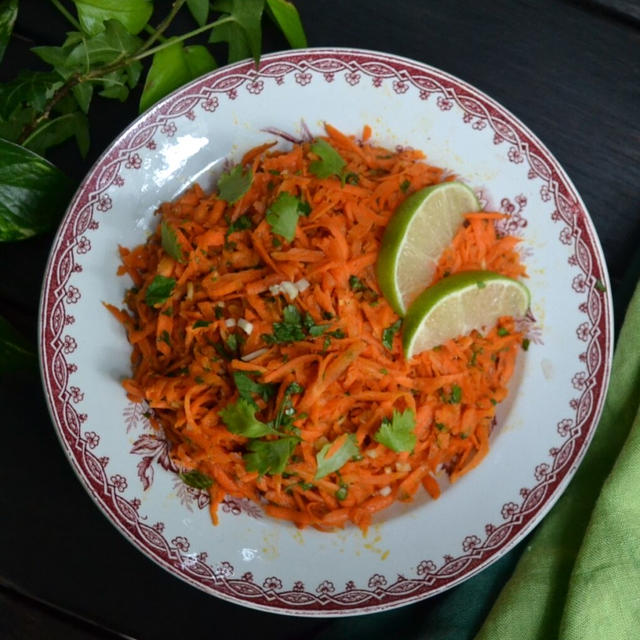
x=460, y=303
x=419, y=230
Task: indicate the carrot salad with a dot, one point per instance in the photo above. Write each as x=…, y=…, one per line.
x=268, y=356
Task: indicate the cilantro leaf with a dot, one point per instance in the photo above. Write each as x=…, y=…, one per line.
x=269, y=456
x=290, y=329
x=242, y=223
x=240, y=418
x=397, y=434
x=329, y=162
x=338, y=459
x=233, y=185
x=456, y=394
x=283, y=215
x=246, y=387
x=389, y=333
x=196, y=479
x=200, y=323
x=170, y=242
x=159, y=290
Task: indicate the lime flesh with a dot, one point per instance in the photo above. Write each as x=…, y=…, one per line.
x=419, y=230
x=458, y=304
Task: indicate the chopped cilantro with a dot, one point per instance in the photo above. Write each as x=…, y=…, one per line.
x=240, y=418
x=200, y=323
x=404, y=186
x=269, y=456
x=196, y=479
x=440, y=426
x=329, y=161
x=199, y=380
x=338, y=334
x=342, y=492
x=232, y=342
x=167, y=312
x=525, y=344
x=502, y=332
x=356, y=284
x=240, y=224
x=233, y=185
x=246, y=387
x=600, y=286
x=219, y=312
x=159, y=290
x=398, y=434
x=389, y=333
x=456, y=394
x=170, y=242
x=165, y=337
x=283, y=215
x=338, y=459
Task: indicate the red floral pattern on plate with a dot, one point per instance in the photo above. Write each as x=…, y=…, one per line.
x=108, y=491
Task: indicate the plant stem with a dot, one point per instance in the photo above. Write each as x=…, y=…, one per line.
x=162, y=27
x=143, y=53
x=63, y=10
x=150, y=30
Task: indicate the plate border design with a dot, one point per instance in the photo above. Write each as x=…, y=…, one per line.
x=406, y=78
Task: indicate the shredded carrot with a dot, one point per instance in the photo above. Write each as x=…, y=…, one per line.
x=218, y=324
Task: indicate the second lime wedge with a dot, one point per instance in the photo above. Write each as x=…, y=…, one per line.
x=458, y=304
x=420, y=229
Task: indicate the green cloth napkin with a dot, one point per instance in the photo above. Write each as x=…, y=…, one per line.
x=579, y=575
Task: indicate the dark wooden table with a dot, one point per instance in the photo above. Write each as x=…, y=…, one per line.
x=569, y=70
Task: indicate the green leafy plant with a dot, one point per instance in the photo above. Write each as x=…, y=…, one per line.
x=104, y=54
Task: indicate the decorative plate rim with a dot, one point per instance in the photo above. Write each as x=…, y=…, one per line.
x=522, y=518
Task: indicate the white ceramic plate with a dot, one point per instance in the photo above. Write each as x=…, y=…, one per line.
x=412, y=551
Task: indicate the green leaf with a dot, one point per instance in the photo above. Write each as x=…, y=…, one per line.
x=32, y=88
x=133, y=14
x=269, y=456
x=283, y=215
x=290, y=329
x=233, y=185
x=171, y=68
x=286, y=16
x=199, y=60
x=456, y=394
x=240, y=418
x=83, y=93
x=240, y=224
x=328, y=465
x=8, y=15
x=108, y=46
x=33, y=193
x=244, y=33
x=389, y=333
x=57, y=58
x=16, y=353
x=398, y=434
x=170, y=242
x=12, y=129
x=329, y=162
x=247, y=387
x=114, y=85
x=199, y=10
x=55, y=131
x=159, y=290
x=196, y=479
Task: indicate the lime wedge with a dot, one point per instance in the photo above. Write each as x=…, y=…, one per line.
x=456, y=305
x=419, y=230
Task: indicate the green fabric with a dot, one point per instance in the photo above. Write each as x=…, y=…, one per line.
x=579, y=576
